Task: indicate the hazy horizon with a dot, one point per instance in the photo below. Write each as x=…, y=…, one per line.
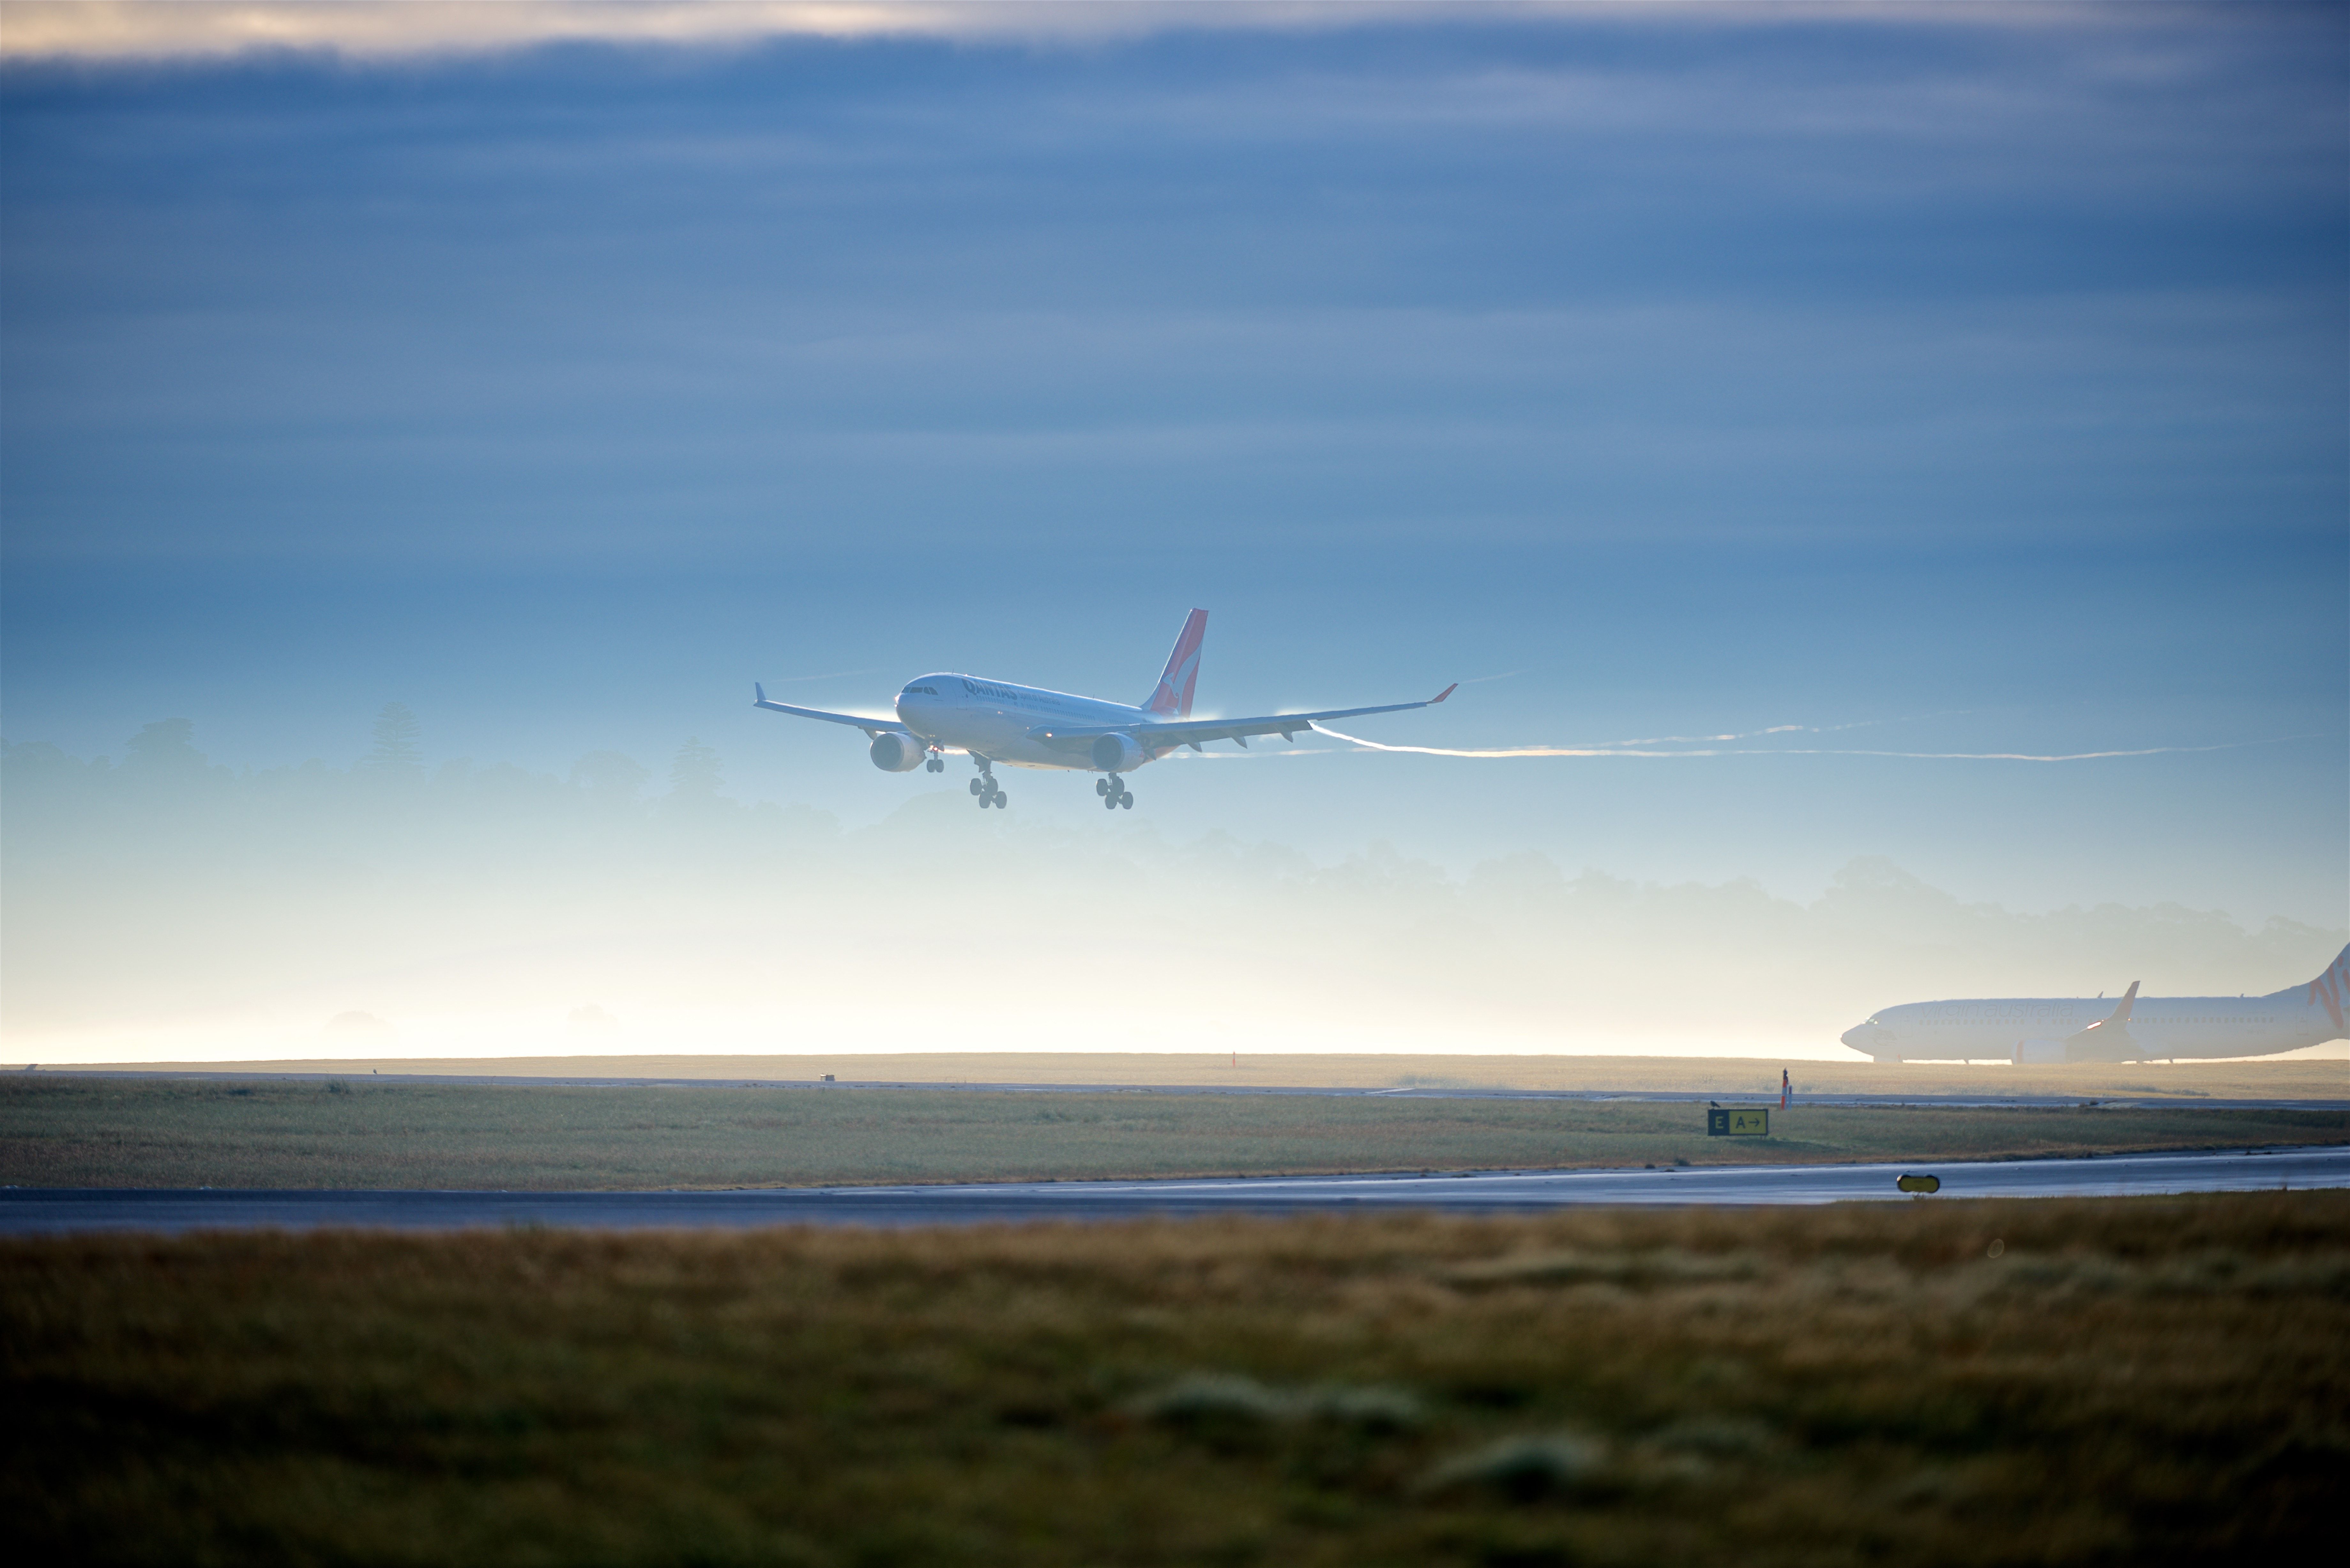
x=168, y=908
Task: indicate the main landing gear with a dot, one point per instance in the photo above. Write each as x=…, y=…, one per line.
x=983, y=786
x=1114, y=794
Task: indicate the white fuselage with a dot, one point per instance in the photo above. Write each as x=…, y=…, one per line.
x=992, y=719
x=2044, y=1029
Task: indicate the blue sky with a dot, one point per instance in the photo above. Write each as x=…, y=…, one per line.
x=1975, y=370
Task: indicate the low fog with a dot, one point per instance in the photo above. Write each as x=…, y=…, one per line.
x=159, y=907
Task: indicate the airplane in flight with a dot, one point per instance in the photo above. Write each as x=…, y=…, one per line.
x=2028, y=1030
x=1028, y=727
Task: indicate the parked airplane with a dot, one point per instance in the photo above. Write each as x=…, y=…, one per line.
x=1028, y=727
x=2154, y=1028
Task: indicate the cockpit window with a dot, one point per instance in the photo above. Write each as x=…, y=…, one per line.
x=918, y=685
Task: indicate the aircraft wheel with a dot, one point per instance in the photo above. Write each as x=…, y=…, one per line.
x=976, y=788
x=1109, y=802
x=1002, y=800
x=1126, y=800
x=1101, y=786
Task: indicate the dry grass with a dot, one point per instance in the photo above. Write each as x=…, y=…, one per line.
x=59, y=1131
x=2128, y=1382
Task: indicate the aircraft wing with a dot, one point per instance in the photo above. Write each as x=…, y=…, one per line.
x=870, y=726
x=1160, y=734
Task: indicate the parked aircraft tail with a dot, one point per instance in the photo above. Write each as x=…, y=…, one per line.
x=1182, y=672
x=2331, y=988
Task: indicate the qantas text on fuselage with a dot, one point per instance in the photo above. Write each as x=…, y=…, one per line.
x=2026, y=1030
x=1028, y=727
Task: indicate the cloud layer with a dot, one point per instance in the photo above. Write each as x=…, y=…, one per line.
x=406, y=29
x=95, y=30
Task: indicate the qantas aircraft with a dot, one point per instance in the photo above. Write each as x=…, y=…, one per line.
x=1027, y=727
x=2158, y=1028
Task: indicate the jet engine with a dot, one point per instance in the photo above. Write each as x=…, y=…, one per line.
x=1118, y=754
x=2038, y=1053
x=895, y=753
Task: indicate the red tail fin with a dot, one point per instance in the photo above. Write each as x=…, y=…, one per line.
x=2333, y=988
x=1182, y=672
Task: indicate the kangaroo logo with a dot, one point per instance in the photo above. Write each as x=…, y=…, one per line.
x=2329, y=988
x=1176, y=685
x=1174, y=691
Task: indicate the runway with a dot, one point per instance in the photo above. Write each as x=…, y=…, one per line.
x=1588, y=1096
x=56, y=1212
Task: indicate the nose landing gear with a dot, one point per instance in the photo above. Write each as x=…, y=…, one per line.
x=1114, y=794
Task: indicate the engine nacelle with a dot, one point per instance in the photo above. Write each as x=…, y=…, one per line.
x=2038, y=1053
x=895, y=753
x=1118, y=754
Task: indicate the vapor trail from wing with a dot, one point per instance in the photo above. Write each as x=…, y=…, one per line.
x=1784, y=730
x=1622, y=751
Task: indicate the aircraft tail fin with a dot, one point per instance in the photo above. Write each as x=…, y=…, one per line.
x=2102, y=1039
x=1173, y=694
x=2331, y=988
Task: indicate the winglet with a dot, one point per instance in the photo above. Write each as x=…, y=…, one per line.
x=761, y=692
x=1441, y=696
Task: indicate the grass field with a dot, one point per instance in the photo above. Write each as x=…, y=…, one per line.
x=94, y=1131
x=2136, y=1381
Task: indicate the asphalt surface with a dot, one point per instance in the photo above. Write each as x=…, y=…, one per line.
x=1598, y=1096
x=39, y=1211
